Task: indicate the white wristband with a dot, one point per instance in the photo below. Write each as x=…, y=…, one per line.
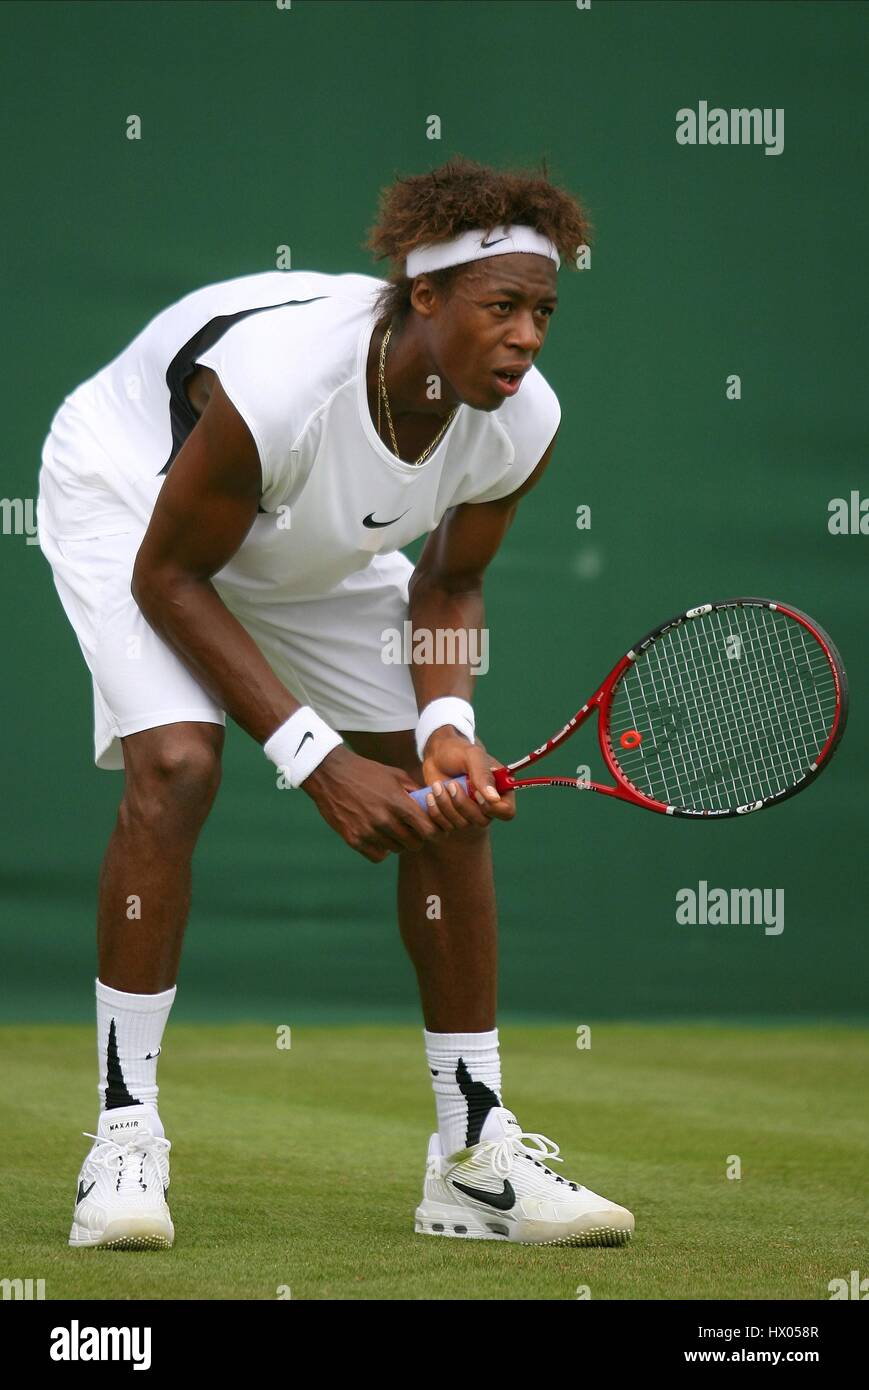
x=301, y=744
x=447, y=710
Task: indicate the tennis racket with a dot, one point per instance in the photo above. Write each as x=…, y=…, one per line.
x=726, y=709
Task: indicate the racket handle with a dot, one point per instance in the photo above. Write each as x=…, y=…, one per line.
x=500, y=776
x=420, y=796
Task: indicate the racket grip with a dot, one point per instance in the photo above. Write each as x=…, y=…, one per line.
x=500, y=776
x=420, y=796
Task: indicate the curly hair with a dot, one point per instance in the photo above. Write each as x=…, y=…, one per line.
x=458, y=196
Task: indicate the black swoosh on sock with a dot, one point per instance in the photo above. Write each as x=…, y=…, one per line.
x=480, y=1101
x=117, y=1094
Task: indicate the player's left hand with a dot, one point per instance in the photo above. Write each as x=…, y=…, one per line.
x=447, y=756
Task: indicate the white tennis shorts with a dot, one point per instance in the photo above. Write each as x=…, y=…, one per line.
x=327, y=651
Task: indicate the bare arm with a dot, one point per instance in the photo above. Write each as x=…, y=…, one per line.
x=446, y=589
x=446, y=592
x=205, y=509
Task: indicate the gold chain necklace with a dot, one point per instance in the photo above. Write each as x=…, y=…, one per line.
x=381, y=394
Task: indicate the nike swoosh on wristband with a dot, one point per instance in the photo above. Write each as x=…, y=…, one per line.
x=83, y=1191
x=493, y=243
x=304, y=740
x=370, y=522
x=501, y=1201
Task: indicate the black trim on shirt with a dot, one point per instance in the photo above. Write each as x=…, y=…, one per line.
x=183, y=365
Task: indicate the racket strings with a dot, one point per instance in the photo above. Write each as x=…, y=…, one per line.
x=731, y=707
x=739, y=727
x=752, y=728
x=749, y=723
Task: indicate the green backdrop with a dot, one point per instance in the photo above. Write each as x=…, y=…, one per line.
x=264, y=126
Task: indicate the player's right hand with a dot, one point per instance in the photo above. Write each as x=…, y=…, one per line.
x=367, y=803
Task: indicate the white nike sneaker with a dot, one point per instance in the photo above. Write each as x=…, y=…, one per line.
x=122, y=1186
x=486, y=1193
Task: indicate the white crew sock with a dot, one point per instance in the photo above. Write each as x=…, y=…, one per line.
x=129, y=1033
x=466, y=1077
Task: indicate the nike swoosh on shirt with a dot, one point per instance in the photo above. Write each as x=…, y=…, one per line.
x=370, y=522
x=501, y=1201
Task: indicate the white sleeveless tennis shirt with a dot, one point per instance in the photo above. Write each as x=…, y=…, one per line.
x=290, y=349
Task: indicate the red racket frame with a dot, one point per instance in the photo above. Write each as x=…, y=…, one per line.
x=601, y=702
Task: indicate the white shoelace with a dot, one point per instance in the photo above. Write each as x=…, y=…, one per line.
x=504, y=1153
x=506, y=1150
x=111, y=1152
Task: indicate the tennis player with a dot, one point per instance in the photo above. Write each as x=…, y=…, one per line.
x=223, y=507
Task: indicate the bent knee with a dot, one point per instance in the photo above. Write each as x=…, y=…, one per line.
x=174, y=773
x=186, y=762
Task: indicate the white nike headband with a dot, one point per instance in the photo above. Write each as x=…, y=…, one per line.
x=477, y=245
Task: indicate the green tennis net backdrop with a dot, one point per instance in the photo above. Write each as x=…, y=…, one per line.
x=711, y=369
